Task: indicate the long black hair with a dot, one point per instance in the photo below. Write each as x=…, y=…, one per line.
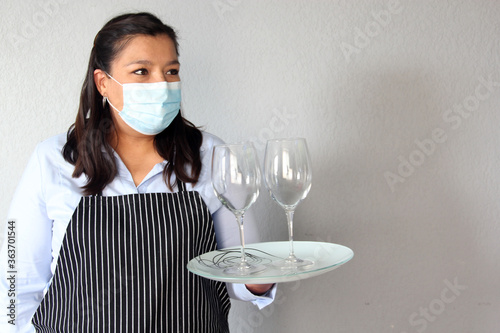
x=87, y=146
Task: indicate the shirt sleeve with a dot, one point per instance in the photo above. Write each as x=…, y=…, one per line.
x=27, y=242
x=227, y=233
x=226, y=227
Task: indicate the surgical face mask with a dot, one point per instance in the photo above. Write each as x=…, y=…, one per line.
x=149, y=107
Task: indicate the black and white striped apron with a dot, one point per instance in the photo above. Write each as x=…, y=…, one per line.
x=122, y=268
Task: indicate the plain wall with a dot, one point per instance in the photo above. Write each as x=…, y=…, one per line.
x=398, y=102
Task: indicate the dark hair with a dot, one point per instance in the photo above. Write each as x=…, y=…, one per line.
x=87, y=146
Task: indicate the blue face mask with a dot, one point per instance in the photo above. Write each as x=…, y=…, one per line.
x=149, y=107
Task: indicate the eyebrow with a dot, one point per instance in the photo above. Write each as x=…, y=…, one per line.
x=147, y=62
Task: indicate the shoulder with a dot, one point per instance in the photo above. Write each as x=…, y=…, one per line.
x=209, y=141
x=49, y=155
x=52, y=146
x=53, y=169
x=204, y=185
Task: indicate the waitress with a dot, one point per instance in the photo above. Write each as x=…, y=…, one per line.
x=108, y=215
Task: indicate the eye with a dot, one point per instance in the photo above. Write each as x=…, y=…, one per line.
x=141, y=71
x=173, y=72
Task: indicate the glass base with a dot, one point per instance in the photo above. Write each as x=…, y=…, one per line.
x=244, y=269
x=293, y=263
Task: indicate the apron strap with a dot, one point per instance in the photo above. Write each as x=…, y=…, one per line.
x=181, y=185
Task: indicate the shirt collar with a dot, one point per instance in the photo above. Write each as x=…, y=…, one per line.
x=123, y=172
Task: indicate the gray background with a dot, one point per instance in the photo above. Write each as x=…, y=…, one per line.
x=400, y=120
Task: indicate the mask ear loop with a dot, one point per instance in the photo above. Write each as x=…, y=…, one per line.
x=105, y=99
x=113, y=78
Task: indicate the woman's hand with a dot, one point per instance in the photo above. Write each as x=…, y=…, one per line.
x=259, y=289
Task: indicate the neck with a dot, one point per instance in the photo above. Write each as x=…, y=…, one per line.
x=132, y=145
x=138, y=153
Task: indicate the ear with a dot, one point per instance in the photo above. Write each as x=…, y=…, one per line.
x=101, y=81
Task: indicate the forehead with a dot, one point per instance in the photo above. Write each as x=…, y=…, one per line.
x=158, y=48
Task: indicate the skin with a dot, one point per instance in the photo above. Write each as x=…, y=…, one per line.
x=145, y=59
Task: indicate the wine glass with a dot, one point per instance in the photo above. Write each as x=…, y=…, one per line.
x=288, y=176
x=236, y=181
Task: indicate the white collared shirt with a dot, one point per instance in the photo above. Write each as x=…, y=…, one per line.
x=43, y=205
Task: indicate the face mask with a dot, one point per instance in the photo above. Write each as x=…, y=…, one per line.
x=149, y=107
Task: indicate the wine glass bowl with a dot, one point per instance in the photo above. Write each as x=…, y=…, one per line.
x=288, y=177
x=236, y=180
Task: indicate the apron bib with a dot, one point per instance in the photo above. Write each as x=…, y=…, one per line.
x=122, y=268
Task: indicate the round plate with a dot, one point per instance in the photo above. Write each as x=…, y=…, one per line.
x=326, y=257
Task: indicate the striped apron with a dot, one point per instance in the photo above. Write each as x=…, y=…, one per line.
x=122, y=268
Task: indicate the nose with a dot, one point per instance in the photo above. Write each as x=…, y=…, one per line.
x=158, y=77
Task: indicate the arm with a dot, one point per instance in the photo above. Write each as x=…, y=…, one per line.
x=259, y=289
x=226, y=228
x=227, y=233
x=32, y=250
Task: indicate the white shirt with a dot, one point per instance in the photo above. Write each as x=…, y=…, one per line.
x=43, y=205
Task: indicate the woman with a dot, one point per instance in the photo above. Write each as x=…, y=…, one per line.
x=108, y=216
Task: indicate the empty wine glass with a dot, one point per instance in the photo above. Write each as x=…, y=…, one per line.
x=288, y=176
x=236, y=181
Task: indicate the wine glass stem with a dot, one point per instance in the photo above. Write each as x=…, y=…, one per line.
x=289, y=217
x=239, y=219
